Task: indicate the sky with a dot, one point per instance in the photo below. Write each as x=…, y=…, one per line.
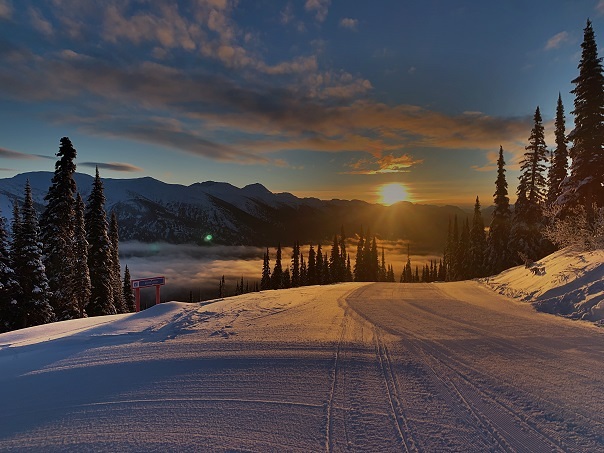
x=321, y=98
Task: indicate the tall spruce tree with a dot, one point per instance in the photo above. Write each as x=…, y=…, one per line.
x=559, y=163
x=57, y=233
x=358, y=264
x=81, y=274
x=498, y=256
x=100, y=264
x=295, y=276
x=526, y=233
x=277, y=276
x=532, y=166
x=33, y=299
x=337, y=270
x=463, y=252
x=478, y=243
x=116, y=270
x=585, y=185
x=9, y=288
x=129, y=298
x=319, y=268
x=312, y=266
x=265, y=281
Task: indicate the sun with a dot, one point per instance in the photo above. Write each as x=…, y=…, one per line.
x=393, y=193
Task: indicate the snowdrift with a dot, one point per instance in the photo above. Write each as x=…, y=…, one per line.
x=567, y=283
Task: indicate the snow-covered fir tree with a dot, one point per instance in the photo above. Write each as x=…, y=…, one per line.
x=33, y=305
x=118, y=290
x=100, y=264
x=559, y=164
x=9, y=287
x=498, y=256
x=585, y=185
x=57, y=233
x=81, y=274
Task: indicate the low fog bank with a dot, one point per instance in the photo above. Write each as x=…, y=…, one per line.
x=193, y=272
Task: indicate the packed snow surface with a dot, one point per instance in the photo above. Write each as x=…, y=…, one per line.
x=356, y=367
x=567, y=282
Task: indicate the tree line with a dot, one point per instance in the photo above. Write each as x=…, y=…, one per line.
x=64, y=265
x=322, y=268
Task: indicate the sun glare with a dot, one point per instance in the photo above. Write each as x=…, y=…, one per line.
x=393, y=193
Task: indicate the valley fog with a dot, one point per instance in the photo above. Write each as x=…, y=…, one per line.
x=193, y=272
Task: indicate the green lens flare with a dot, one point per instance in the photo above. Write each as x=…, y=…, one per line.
x=208, y=237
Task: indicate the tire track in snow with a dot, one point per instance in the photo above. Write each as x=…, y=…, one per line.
x=401, y=422
x=334, y=378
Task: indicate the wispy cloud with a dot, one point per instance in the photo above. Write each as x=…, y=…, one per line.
x=557, y=40
x=113, y=166
x=6, y=9
x=8, y=154
x=386, y=164
x=349, y=23
x=39, y=22
x=319, y=7
x=600, y=7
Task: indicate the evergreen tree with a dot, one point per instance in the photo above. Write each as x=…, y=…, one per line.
x=33, y=303
x=312, y=266
x=349, y=277
x=559, y=163
x=463, y=252
x=532, y=166
x=359, y=265
x=57, y=234
x=265, y=282
x=118, y=290
x=585, y=186
x=100, y=264
x=221, y=288
x=478, y=243
x=129, y=299
x=81, y=273
x=525, y=235
x=319, y=266
x=286, y=281
x=326, y=271
x=9, y=288
x=277, y=277
x=498, y=256
x=295, y=276
x=303, y=272
x=522, y=241
x=334, y=261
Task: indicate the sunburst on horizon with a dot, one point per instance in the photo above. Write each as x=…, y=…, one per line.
x=393, y=193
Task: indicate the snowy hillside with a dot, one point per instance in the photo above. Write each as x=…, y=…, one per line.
x=567, y=282
x=356, y=367
x=149, y=210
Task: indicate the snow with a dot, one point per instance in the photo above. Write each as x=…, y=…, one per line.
x=567, y=282
x=355, y=366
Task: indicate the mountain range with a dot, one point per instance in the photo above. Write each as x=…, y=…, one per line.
x=149, y=210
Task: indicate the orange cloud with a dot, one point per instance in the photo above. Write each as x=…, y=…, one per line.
x=385, y=164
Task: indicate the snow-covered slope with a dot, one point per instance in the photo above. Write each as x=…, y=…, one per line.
x=350, y=367
x=567, y=282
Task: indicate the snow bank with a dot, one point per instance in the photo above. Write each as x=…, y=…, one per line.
x=567, y=282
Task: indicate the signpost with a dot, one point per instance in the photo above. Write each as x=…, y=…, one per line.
x=145, y=283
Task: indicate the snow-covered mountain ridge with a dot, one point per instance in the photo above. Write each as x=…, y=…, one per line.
x=567, y=282
x=149, y=210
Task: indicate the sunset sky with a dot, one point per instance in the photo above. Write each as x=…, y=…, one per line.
x=323, y=98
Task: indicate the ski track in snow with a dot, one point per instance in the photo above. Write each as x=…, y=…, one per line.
x=350, y=367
